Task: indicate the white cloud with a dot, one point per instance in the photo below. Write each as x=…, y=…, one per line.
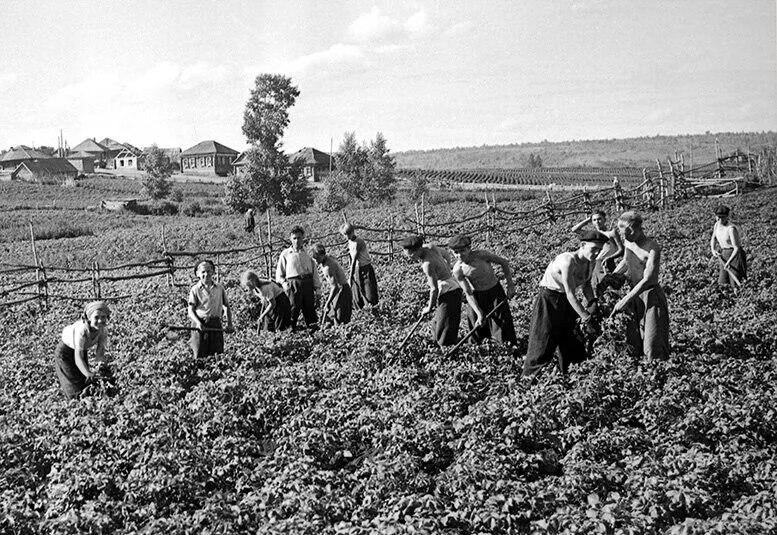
x=203, y=74
x=375, y=26
x=337, y=57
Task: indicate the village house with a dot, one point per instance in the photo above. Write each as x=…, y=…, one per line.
x=208, y=158
x=126, y=159
x=22, y=153
x=315, y=164
x=130, y=154
x=83, y=161
x=45, y=171
x=98, y=152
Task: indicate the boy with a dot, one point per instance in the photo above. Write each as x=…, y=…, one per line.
x=368, y=283
x=340, y=297
x=299, y=278
x=248, y=221
x=207, y=302
x=444, y=292
x=732, y=257
x=605, y=262
x=475, y=274
x=557, y=307
x=647, y=332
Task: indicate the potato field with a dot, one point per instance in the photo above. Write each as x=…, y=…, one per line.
x=341, y=432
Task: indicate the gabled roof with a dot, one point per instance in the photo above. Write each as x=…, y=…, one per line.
x=49, y=166
x=310, y=156
x=112, y=144
x=240, y=160
x=125, y=153
x=208, y=147
x=90, y=145
x=23, y=152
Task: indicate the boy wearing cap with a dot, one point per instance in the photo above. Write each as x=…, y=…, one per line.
x=732, y=257
x=299, y=277
x=557, y=308
x=605, y=262
x=340, y=297
x=444, y=292
x=357, y=249
x=475, y=274
x=647, y=331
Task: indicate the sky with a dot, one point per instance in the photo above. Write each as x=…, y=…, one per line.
x=427, y=74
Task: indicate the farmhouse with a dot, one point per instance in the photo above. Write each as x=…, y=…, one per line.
x=22, y=153
x=45, y=171
x=82, y=161
x=208, y=158
x=126, y=159
x=129, y=152
x=315, y=164
x=98, y=152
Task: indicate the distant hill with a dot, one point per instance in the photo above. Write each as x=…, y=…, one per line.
x=636, y=152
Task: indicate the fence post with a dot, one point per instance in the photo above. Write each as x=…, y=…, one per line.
x=96, y=279
x=587, y=206
x=269, y=244
x=550, y=205
x=618, y=194
x=391, y=238
x=44, y=284
x=36, y=260
x=488, y=225
x=671, y=192
x=168, y=260
x=218, y=268
x=423, y=215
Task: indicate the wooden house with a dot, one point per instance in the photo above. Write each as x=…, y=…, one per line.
x=45, y=171
x=315, y=164
x=208, y=158
x=82, y=161
x=126, y=159
x=11, y=159
x=98, y=152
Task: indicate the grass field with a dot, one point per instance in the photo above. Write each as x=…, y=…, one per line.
x=339, y=432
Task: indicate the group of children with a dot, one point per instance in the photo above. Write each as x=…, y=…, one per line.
x=468, y=275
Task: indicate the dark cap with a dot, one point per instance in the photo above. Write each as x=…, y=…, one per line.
x=594, y=236
x=412, y=243
x=722, y=209
x=459, y=241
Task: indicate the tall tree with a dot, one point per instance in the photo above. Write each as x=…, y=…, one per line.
x=156, y=182
x=266, y=114
x=380, y=184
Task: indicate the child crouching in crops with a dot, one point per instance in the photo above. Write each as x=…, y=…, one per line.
x=70, y=359
x=276, y=308
x=207, y=302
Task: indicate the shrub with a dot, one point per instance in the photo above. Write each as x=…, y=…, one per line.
x=192, y=209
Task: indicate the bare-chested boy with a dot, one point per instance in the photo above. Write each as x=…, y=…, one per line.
x=444, y=292
x=647, y=332
x=557, y=307
x=475, y=274
x=606, y=261
x=731, y=256
x=340, y=298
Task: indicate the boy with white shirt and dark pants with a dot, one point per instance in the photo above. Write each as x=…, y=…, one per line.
x=298, y=275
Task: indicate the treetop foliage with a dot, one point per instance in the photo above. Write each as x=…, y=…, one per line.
x=158, y=169
x=266, y=114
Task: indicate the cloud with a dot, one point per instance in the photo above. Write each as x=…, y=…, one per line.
x=375, y=27
x=337, y=57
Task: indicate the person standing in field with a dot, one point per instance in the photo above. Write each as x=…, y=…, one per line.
x=613, y=249
x=248, y=221
x=207, y=303
x=557, y=308
x=444, y=291
x=732, y=257
x=340, y=299
x=276, y=309
x=298, y=276
x=70, y=357
x=475, y=274
x=647, y=331
x=368, y=283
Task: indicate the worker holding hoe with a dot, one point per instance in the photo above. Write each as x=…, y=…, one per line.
x=475, y=274
x=732, y=257
x=340, y=298
x=367, y=282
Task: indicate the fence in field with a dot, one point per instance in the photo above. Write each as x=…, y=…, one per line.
x=659, y=189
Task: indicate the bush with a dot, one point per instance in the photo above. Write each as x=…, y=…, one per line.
x=156, y=208
x=334, y=196
x=192, y=209
x=177, y=196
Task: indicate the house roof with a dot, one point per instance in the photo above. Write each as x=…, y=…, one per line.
x=23, y=152
x=80, y=155
x=240, y=160
x=48, y=166
x=310, y=156
x=123, y=153
x=90, y=145
x=208, y=147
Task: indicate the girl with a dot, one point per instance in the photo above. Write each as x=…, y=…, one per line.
x=276, y=308
x=70, y=360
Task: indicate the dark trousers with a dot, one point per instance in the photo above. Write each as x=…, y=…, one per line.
x=205, y=344
x=71, y=380
x=499, y=326
x=738, y=266
x=302, y=298
x=341, y=306
x=647, y=331
x=552, y=326
x=447, y=317
x=279, y=318
x=369, y=286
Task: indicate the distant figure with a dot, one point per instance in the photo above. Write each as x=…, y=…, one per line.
x=557, y=308
x=276, y=309
x=647, y=332
x=444, y=291
x=249, y=221
x=368, y=283
x=475, y=274
x=340, y=298
x=613, y=249
x=207, y=303
x=732, y=257
x=70, y=358
x=299, y=278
